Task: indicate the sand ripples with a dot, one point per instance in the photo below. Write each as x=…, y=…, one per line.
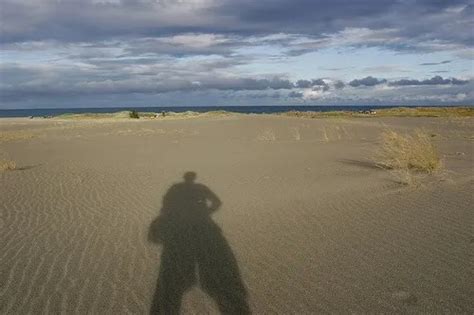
x=307, y=240
x=75, y=249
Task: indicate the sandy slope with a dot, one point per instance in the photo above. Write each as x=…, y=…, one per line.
x=306, y=225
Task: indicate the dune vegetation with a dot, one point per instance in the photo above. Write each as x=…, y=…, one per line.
x=426, y=112
x=389, y=112
x=384, y=112
x=407, y=151
x=7, y=165
x=6, y=136
x=122, y=114
x=133, y=114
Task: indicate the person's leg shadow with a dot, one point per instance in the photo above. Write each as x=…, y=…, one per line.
x=194, y=252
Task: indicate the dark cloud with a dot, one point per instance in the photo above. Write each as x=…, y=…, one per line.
x=339, y=85
x=108, y=48
x=435, y=63
x=249, y=84
x=295, y=94
x=185, y=45
x=315, y=84
x=436, y=80
x=318, y=82
x=323, y=88
x=303, y=84
x=320, y=86
x=367, y=81
x=90, y=21
x=331, y=69
x=21, y=82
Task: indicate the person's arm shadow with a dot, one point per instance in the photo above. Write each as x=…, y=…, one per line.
x=213, y=202
x=157, y=230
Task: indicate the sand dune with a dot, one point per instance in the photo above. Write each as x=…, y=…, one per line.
x=306, y=224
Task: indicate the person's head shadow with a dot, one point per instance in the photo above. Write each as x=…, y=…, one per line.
x=194, y=248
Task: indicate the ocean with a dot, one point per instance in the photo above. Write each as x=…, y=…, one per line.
x=39, y=112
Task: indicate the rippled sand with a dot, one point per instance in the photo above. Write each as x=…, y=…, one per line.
x=305, y=225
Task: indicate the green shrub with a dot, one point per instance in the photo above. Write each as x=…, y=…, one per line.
x=134, y=114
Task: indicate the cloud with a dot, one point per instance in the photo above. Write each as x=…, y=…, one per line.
x=339, y=85
x=295, y=94
x=303, y=84
x=387, y=68
x=104, y=50
x=249, y=84
x=367, y=81
x=184, y=44
x=436, y=80
x=23, y=82
x=382, y=23
x=320, y=84
x=435, y=63
x=331, y=69
x=314, y=83
x=54, y=82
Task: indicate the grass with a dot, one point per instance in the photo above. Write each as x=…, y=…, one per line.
x=313, y=114
x=134, y=115
x=267, y=135
x=407, y=154
x=295, y=132
x=7, y=165
x=6, y=136
x=390, y=112
x=122, y=114
x=426, y=112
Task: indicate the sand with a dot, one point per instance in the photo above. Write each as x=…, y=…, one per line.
x=303, y=222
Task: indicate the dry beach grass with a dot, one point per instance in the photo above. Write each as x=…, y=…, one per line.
x=408, y=154
x=7, y=165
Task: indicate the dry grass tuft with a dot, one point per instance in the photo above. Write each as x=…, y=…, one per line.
x=7, y=165
x=6, y=136
x=267, y=135
x=295, y=132
x=408, y=152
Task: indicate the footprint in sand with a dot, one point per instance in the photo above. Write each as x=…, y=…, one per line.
x=405, y=297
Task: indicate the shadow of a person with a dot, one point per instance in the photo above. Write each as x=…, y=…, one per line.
x=194, y=251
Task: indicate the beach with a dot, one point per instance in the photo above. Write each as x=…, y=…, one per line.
x=304, y=221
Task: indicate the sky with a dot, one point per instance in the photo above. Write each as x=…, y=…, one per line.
x=114, y=53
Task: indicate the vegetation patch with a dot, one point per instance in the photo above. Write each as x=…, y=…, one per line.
x=6, y=136
x=414, y=151
x=426, y=112
x=314, y=114
x=389, y=112
x=7, y=165
x=377, y=112
x=267, y=135
x=122, y=114
x=133, y=114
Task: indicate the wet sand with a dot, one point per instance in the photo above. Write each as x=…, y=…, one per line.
x=285, y=215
